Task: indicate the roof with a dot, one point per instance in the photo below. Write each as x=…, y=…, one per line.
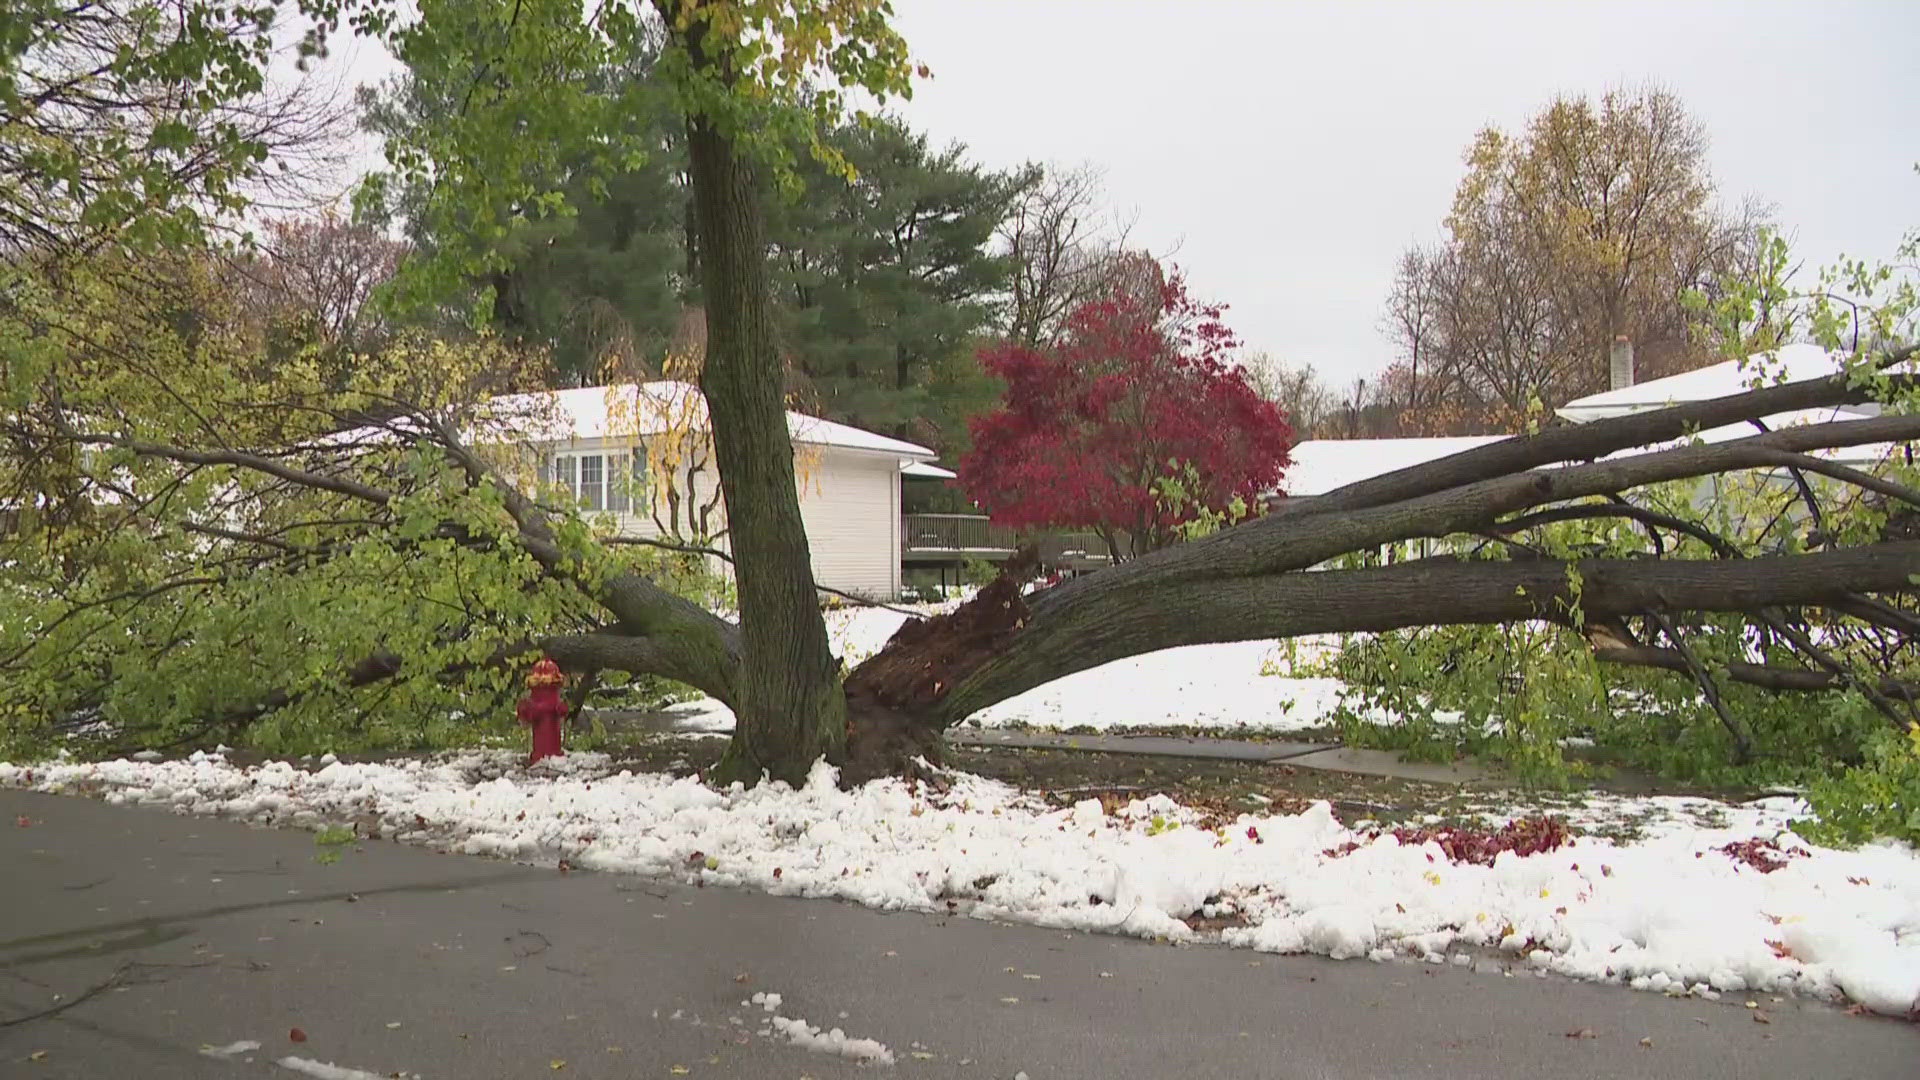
x=1794, y=362
x=1321, y=465
x=920, y=470
x=1866, y=454
x=630, y=409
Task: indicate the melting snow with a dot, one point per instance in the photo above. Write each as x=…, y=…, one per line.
x=1670, y=911
x=329, y=1071
x=802, y=1034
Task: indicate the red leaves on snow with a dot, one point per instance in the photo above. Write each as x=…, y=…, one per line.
x=1523, y=836
x=1763, y=855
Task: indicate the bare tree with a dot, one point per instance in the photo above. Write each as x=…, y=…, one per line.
x=1589, y=224
x=1412, y=320
x=1300, y=390
x=1063, y=252
x=320, y=272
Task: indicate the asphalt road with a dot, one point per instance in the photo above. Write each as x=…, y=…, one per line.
x=143, y=937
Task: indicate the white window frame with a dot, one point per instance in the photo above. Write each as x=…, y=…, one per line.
x=619, y=488
x=592, y=493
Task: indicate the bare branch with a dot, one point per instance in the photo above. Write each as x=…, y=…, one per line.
x=1742, y=742
x=695, y=549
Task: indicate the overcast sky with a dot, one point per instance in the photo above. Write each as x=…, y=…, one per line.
x=1288, y=152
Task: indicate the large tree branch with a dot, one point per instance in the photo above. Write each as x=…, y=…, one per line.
x=1104, y=626
x=1764, y=676
x=238, y=459
x=1589, y=441
x=1846, y=474
x=1280, y=543
x=691, y=662
x=709, y=645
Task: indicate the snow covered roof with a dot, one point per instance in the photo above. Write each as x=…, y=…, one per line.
x=920, y=470
x=631, y=409
x=1321, y=465
x=1867, y=454
x=1795, y=362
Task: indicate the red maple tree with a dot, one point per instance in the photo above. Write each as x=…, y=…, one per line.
x=1141, y=389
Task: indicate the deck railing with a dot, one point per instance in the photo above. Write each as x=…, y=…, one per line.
x=954, y=532
x=974, y=534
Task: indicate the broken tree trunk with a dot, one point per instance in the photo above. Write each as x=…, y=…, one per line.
x=1258, y=580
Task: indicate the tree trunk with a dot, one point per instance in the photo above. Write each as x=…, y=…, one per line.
x=789, y=704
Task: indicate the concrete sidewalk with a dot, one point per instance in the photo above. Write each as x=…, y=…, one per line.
x=1305, y=755
x=137, y=937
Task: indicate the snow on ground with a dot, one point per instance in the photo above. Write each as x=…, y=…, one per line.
x=1671, y=911
x=1209, y=686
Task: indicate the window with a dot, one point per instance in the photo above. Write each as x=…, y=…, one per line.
x=593, y=482
x=611, y=482
x=619, y=483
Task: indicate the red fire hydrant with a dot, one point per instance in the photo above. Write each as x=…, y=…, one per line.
x=543, y=709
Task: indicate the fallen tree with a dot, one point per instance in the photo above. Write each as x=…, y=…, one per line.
x=1270, y=578
x=208, y=543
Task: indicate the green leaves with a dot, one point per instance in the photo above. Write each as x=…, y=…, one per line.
x=131, y=123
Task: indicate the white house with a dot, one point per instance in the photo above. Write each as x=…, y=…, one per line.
x=641, y=454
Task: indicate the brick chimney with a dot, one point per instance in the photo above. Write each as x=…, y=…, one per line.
x=1620, y=364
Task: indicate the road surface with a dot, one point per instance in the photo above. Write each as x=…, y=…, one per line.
x=136, y=939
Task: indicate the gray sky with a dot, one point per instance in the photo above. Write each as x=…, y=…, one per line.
x=1291, y=151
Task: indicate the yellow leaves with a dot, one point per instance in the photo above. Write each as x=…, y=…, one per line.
x=788, y=54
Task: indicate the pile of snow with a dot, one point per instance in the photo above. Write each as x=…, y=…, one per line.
x=811, y=1037
x=1672, y=911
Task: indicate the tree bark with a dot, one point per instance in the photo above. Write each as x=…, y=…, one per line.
x=1049, y=643
x=1460, y=501
x=1577, y=442
x=789, y=706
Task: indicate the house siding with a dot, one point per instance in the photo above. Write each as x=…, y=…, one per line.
x=847, y=502
x=849, y=505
